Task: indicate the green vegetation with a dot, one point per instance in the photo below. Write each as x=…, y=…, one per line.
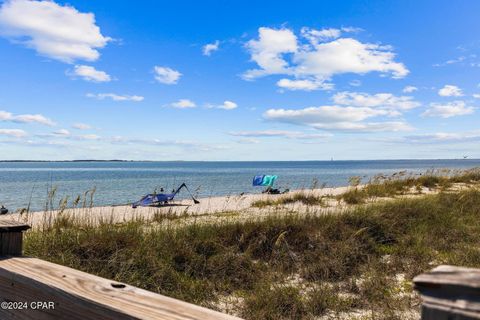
x=282, y=267
x=307, y=199
x=400, y=183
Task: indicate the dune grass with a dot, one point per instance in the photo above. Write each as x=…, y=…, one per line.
x=280, y=267
x=302, y=197
x=401, y=183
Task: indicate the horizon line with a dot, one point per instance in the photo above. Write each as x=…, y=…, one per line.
x=317, y=160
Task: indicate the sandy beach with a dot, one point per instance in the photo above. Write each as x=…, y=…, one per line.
x=208, y=208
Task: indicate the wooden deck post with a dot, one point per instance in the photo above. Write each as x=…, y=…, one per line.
x=11, y=237
x=449, y=292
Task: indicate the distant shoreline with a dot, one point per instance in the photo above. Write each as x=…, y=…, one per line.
x=117, y=160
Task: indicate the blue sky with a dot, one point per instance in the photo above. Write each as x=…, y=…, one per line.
x=223, y=80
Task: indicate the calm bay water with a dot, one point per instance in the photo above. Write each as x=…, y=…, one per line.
x=124, y=182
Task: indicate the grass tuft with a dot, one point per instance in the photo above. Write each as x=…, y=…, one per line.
x=307, y=199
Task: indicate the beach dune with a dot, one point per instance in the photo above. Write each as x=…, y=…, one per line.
x=211, y=206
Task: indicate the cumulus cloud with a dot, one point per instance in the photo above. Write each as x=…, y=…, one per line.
x=336, y=118
x=16, y=133
x=268, y=52
x=26, y=118
x=227, y=105
x=409, y=89
x=115, y=97
x=166, y=75
x=89, y=73
x=347, y=55
x=210, y=47
x=476, y=96
x=279, y=133
x=81, y=126
x=55, y=31
x=450, y=91
x=385, y=101
x=448, y=110
x=280, y=52
x=183, y=104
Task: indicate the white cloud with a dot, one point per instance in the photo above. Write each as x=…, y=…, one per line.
x=366, y=127
x=87, y=137
x=4, y=115
x=323, y=114
x=248, y=141
x=26, y=118
x=347, y=55
x=336, y=118
x=17, y=133
x=210, y=47
x=450, y=91
x=442, y=137
x=355, y=83
x=380, y=100
x=352, y=29
x=166, y=75
x=62, y=133
x=476, y=96
x=460, y=59
x=81, y=126
x=183, y=104
x=448, y=110
x=59, y=32
x=115, y=97
x=29, y=118
x=89, y=73
x=267, y=51
x=279, y=133
x=228, y=105
x=167, y=143
x=409, y=89
x=305, y=85
x=279, y=52
x=316, y=36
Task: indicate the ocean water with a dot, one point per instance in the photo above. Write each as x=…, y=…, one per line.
x=22, y=183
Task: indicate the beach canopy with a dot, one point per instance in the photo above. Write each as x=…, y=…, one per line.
x=152, y=199
x=264, y=180
x=161, y=198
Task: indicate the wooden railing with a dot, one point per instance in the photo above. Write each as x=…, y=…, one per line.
x=449, y=293
x=31, y=288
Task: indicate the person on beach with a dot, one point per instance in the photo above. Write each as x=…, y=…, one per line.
x=3, y=210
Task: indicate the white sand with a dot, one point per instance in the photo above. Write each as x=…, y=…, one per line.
x=211, y=206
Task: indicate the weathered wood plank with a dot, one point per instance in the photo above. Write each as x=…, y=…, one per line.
x=11, y=237
x=450, y=275
x=10, y=225
x=449, y=292
x=79, y=295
